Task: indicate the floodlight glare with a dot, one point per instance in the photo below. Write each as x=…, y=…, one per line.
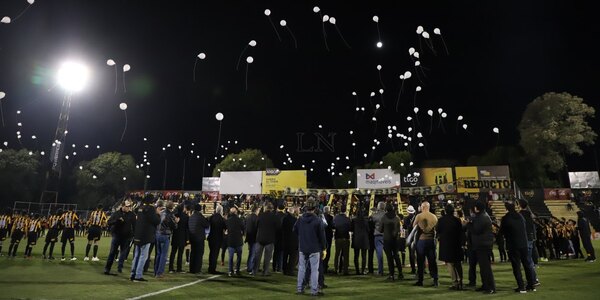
x=72, y=76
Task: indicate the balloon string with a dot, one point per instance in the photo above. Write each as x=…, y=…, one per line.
x=415, y=99
x=237, y=67
x=274, y=28
x=444, y=43
x=442, y=125
x=382, y=100
x=116, y=79
x=2, y=113
x=378, y=33
x=294, y=37
x=124, y=87
x=431, y=125
x=247, y=67
x=381, y=81
x=399, y=93
x=218, y=138
x=22, y=12
x=195, y=62
x=430, y=45
x=342, y=36
x=418, y=76
x=125, y=128
x=324, y=32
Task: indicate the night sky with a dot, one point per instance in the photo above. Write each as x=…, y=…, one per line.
x=503, y=54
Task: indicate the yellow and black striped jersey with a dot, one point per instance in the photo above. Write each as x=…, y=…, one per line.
x=4, y=221
x=34, y=225
x=20, y=223
x=69, y=219
x=54, y=221
x=97, y=218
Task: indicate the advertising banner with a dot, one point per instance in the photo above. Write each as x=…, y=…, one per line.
x=557, y=194
x=428, y=177
x=243, y=182
x=211, y=184
x=277, y=181
x=410, y=191
x=584, y=180
x=483, y=179
x=376, y=179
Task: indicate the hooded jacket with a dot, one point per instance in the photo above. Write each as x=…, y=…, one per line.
x=311, y=233
x=145, y=226
x=512, y=227
x=122, y=224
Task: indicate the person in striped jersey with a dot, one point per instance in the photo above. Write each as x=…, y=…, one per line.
x=33, y=230
x=96, y=221
x=52, y=235
x=68, y=221
x=5, y=222
x=18, y=231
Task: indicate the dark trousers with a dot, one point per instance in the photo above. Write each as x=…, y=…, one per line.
x=362, y=253
x=517, y=258
x=391, y=252
x=342, y=255
x=502, y=251
x=258, y=256
x=371, y=257
x=237, y=251
x=328, y=256
x=176, y=249
x=426, y=249
x=277, y=257
x=411, y=258
x=214, y=247
x=472, y=267
x=290, y=260
x=120, y=246
x=196, y=254
x=589, y=249
x=485, y=269
x=251, y=254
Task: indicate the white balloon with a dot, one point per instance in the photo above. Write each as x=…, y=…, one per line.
x=411, y=50
x=459, y=118
x=5, y=20
x=444, y=115
x=126, y=68
x=332, y=20
x=418, y=88
x=394, y=127
x=430, y=112
x=249, y=59
x=267, y=12
x=377, y=106
x=465, y=126
x=362, y=108
x=378, y=67
x=353, y=93
x=316, y=9
x=123, y=106
x=425, y=34
x=381, y=91
x=325, y=18
x=219, y=116
x=252, y=43
x=417, y=63
x=375, y=19
x=202, y=55
x=440, y=110
x=2, y=95
x=437, y=31
x=419, y=29
x=407, y=74
x=374, y=119
x=282, y=23
x=372, y=94
x=390, y=135
x=416, y=110
x=420, y=144
x=357, y=108
x=419, y=135
x=402, y=77
x=416, y=54
x=409, y=118
x=30, y=1
x=379, y=44
x=496, y=130
x=110, y=62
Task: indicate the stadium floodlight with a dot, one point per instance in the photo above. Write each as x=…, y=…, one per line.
x=72, y=76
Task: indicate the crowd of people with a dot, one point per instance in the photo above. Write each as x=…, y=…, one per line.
x=285, y=237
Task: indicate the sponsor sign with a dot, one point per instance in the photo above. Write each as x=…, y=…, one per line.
x=428, y=177
x=557, y=194
x=584, y=180
x=211, y=184
x=244, y=182
x=273, y=182
x=483, y=179
x=376, y=179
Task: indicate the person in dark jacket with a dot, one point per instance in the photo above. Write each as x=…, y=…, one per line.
x=251, y=238
x=278, y=249
x=360, y=241
x=122, y=224
x=197, y=225
x=512, y=228
x=450, y=234
x=168, y=223
x=341, y=223
x=290, y=242
x=267, y=226
x=583, y=226
x=148, y=219
x=531, y=232
x=215, y=238
x=179, y=239
x=390, y=227
x=408, y=227
x=482, y=240
x=311, y=244
x=328, y=235
x=235, y=240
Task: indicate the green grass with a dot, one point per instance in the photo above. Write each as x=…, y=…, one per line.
x=38, y=279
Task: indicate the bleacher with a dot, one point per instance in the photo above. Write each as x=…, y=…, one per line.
x=559, y=209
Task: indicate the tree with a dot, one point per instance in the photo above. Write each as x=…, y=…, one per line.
x=20, y=178
x=106, y=178
x=399, y=161
x=554, y=126
x=246, y=160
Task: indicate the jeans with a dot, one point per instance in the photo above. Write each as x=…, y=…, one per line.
x=235, y=250
x=426, y=249
x=312, y=259
x=117, y=245
x=485, y=270
x=268, y=249
x=530, y=245
x=517, y=258
x=162, y=248
x=391, y=252
x=251, y=255
x=140, y=255
x=379, y=251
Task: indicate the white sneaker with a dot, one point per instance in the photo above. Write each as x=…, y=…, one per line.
x=63, y=259
x=75, y=258
x=85, y=258
x=95, y=259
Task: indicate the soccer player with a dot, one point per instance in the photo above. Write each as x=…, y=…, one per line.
x=33, y=230
x=5, y=222
x=68, y=220
x=96, y=221
x=52, y=235
x=18, y=230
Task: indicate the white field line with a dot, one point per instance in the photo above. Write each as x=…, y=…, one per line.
x=172, y=288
